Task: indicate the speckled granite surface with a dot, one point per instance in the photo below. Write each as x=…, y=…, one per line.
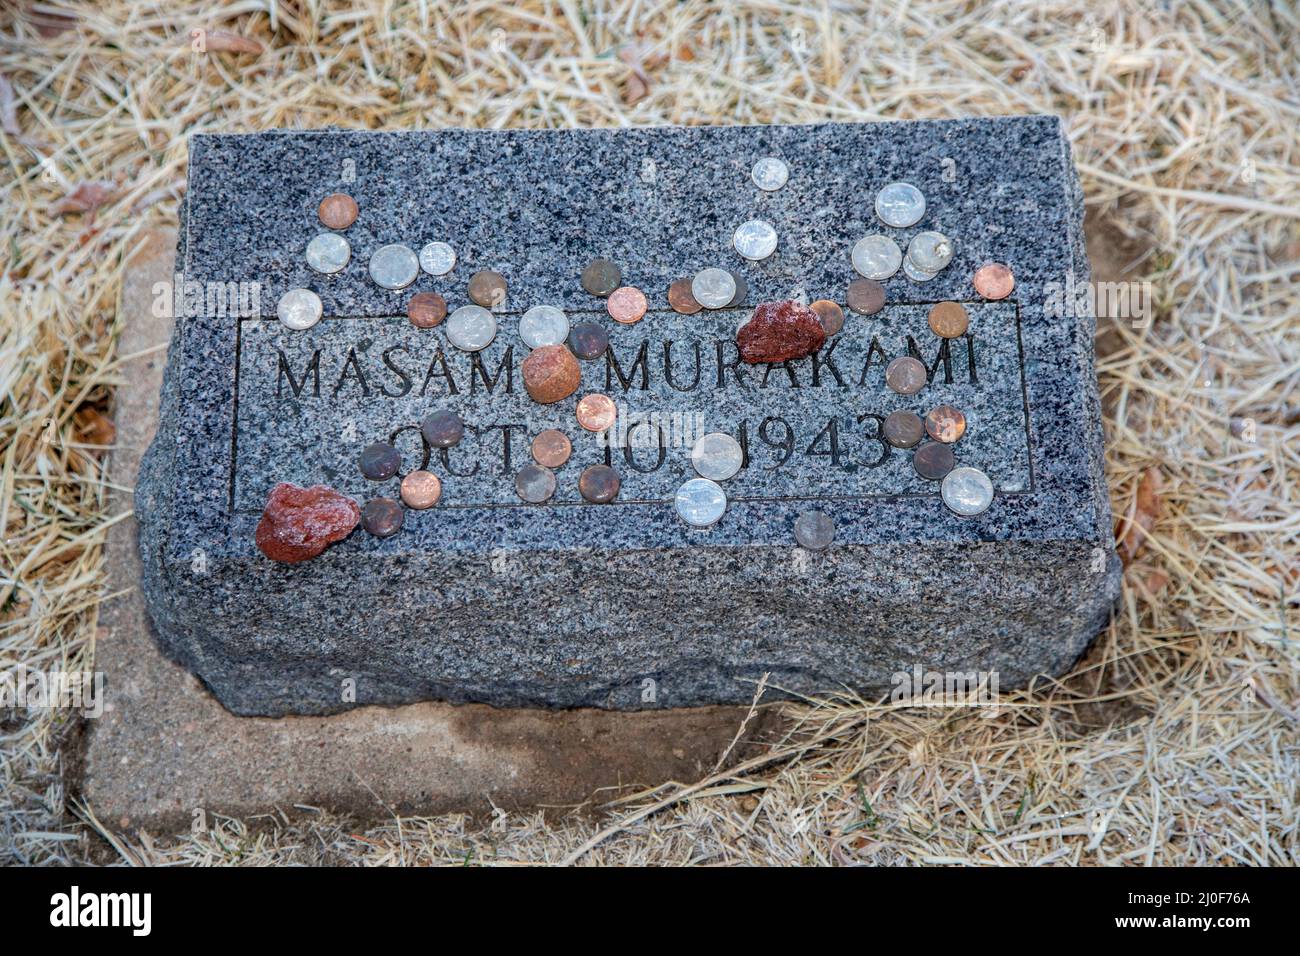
x=571, y=604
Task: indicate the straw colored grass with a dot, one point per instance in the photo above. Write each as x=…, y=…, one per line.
x=1173, y=742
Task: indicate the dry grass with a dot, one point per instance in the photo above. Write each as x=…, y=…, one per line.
x=1174, y=742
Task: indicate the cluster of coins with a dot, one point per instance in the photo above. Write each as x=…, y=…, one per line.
x=419, y=489
x=878, y=256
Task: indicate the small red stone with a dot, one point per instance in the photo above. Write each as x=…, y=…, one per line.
x=780, y=331
x=298, y=523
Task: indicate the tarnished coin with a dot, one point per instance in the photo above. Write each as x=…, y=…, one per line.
x=993, y=280
x=681, y=299
x=626, y=305
x=713, y=288
x=596, y=412
x=601, y=277
x=535, y=484
x=437, y=258
x=770, y=173
x=380, y=461
x=866, y=296
x=443, y=429
x=299, y=309
x=382, y=517
x=933, y=461
x=876, y=257
x=543, y=325
x=329, y=253
x=900, y=204
x=394, y=266
x=967, y=491
x=829, y=314
x=717, y=456
x=814, y=530
x=337, y=211
x=587, y=340
x=488, y=289
x=421, y=489
x=755, y=240
x=426, y=309
x=930, y=251
x=552, y=448
x=903, y=429
x=945, y=423
x=948, y=320
x=471, y=328
x=598, y=484
x=742, y=289
x=905, y=375
x=700, y=502
x=916, y=275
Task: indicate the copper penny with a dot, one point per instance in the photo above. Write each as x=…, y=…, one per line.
x=903, y=429
x=948, y=320
x=552, y=448
x=601, y=277
x=682, y=299
x=830, y=314
x=905, y=375
x=866, y=296
x=379, y=461
x=626, y=305
x=933, y=461
x=337, y=211
x=421, y=489
x=443, y=429
x=945, y=424
x=599, y=484
x=587, y=340
x=994, y=281
x=426, y=309
x=488, y=289
x=596, y=412
x=382, y=517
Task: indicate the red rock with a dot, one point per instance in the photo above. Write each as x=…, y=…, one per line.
x=551, y=373
x=299, y=523
x=780, y=331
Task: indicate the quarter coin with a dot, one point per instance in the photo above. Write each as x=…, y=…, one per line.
x=382, y=517
x=967, y=491
x=329, y=253
x=900, y=204
x=700, y=502
x=829, y=314
x=626, y=305
x=598, y=484
x=535, y=484
x=945, y=424
x=814, y=530
x=713, y=288
x=994, y=281
x=394, y=266
x=471, y=328
x=933, y=461
x=443, y=429
x=770, y=173
x=596, y=412
x=755, y=239
x=949, y=320
x=903, y=429
x=930, y=251
x=717, y=456
x=906, y=375
x=866, y=296
x=426, y=309
x=299, y=309
x=543, y=325
x=876, y=257
x=421, y=489
x=552, y=448
x=488, y=289
x=587, y=340
x=437, y=258
x=337, y=211
x=681, y=299
x=601, y=277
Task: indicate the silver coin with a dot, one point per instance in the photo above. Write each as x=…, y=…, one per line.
x=471, y=328
x=329, y=253
x=967, y=491
x=394, y=266
x=535, y=484
x=755, y=239
x=876, y=257
x=915, y=274
x=930, y=251
x=900, y=204
x=814, y=530
x=770, y=173
x=713, y=288
x=299, y=309
x=700, y=502
x=543, y=325
x=717, y=456
x=437, y=258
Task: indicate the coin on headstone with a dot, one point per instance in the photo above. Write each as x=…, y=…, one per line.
x=866, y=296
x=900, y=204
x=535, y=484
x=442, y=429
x=299, y=309
x=945, y=423
x=488, y=289
x=598, y=484
x=700, y=502
x=380, y=461
x=967, y=491
x=903, y=429
x=681, y=299
x=543, y=325
x=993, y=280
x=426, y=309
x=742, y=289
x=421, y=489
x=437, y=258
x=394, y=266
x=337, y=211
x=717, y=456
x=916, y=275
x=948, y=320
x=814, y=530
x=770, y=173
x=626, y=305
x=601, y=277
x=829, y=314
x=471, y=328
x=329, y=253
x=930, y=251
x=755, y=239
x=933, y=461
x=876, y=257
x=587, y=340
x=596, y=412
x=905, y=375
x=551, y=448
x=713, y=288
x=382, y=517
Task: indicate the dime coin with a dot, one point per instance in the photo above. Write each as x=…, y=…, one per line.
x=900, y=204
x=994, y=281
x=426, y=309
x=598, y=484
x=626, y=305
x=814, y=530
x=588, y=340
x=471, y=328
x=601, y=277
x=930, y=251
x=769, y=173
x=380, y=461
x=596, y=412
x=681, y=299
x=443, y=429
x=299, y=309
x=488, y=289
x=755, y=239
x=866, y=296
x=717, y=456
x=876, y=257
x=700, y=502
x=967, y=491
x=948, y=320
x=903, y=429
x=382, y=517
x=945, y=424
x=437, y=258
x=713, y=288
x=552, y=448
x=394, y=266
x=905, y=375
x=337, y=211
x=933, y=461
x=829, y=314
x=421, y=489
x=535, y=484
x=543, y=325
x=329, y=253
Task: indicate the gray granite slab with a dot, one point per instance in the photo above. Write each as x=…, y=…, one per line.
x=565, y=604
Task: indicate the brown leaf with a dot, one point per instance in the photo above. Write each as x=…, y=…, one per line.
x=87, y=197
x=1142, y=515
x=637, y=85
x=223, y=41
x=95, y=427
